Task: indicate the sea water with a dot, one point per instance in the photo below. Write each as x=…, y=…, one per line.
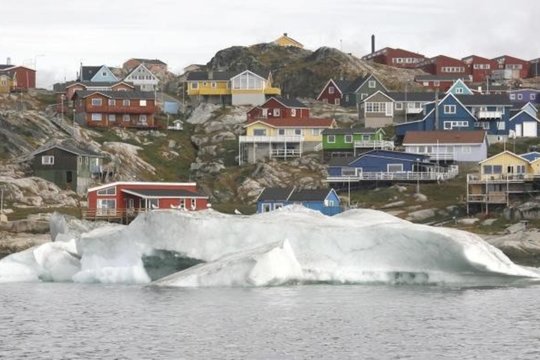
x=94, y=321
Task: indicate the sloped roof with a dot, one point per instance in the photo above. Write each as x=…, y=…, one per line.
x=290, y=102
x=294, y=122
x=309, y=195
x=343, y=85
x=531, y=156
x=444, y=137
x=489, y=99
x=209, y=75
x=157, y=193
x=277, y=194
x=356, y=83
x=88, y=72
x=118, y=94
x=412, y=96
x=69, y=146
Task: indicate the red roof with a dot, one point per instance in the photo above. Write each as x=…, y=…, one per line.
x=444, y=137
x=295, y=122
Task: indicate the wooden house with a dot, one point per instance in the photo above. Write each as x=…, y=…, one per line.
x=444, y=65
x=341, y=142
x=22, y=77
x=440, y=82
x=130, y=109
x=448, y=146
x=68, y=165
x=350, y=92
x=324, y=200
x=510, y=67
x=286, y=41
x=142, y=78
x=155, y=66
x=385, y=166
x=524, y=122
x=100, y=73
x=460, y=88
x=6, y=83
x=395, y=57
x=524, y=96
x=479, y=68
x=279, y=107
x=281, y=138
x=123, y=201
x=503, y=178
x=534, y=67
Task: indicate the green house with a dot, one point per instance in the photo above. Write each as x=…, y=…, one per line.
x=352, y=141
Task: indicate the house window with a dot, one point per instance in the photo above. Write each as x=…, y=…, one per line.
x=520, y=96
x=277, y=112
x=47, y=160
x=363, y=96
x=259, y=132
x=293, y=112
x=347, y=98
x=459, y=90
x=142, y=119
x=112, y=102
x=106, y=206
x=96, y=117
x=278, y=206
x=104, y=73
x=348, y=139
x=281, y=132
x=399, y=106
x=394, y=167
x=125, y=102
x=96, y=102
x=193, y=204
x=112, y=118
x=449, y=109
x=466, y=149
x=111, y=190
x=372, y=84
x=205, y=84
x=214, y=85
x=315, y=132
x=337, y=101
x=436, y=83
x=533, y=96
x=142, y=102
x=298, y=132
x=266, y=207
x=331, y=90
x=348, y=171
x=126, y=118
x=501, y=125
x=153, y=203
x=520, y=169
x=512, y=96
x=194, y=85
x=331, y=139
x=492, y=169
x=366, y=137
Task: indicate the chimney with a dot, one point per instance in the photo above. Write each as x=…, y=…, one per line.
x=372, y=44
x=285, y=34
x=8, y=61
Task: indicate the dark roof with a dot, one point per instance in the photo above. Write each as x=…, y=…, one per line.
x=531, y=156
x=150, y=61
x=355, y=84
x=5, y=66
x=118, y=94
x=349, y=131
x=209, y=75
x=151, y=193
x=341, y=161
x=290, y=102
x=275, y=194
x=343, y=85
x=491, y=99
x=309, y=195
x=412, y=96
x=88, y=72
x=69, y=146
x=444, y=137
x=441, y=77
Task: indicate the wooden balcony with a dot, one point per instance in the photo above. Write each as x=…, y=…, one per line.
x=501, y=178
x=271, y=139
x=374, y=144
x=285, y=153
x=150, y=109
x=482, y=114
x=490, y=198
x=396, y=176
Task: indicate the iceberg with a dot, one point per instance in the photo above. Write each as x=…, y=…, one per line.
x=293, y=245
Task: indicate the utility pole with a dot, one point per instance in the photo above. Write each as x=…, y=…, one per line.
x=3, y=218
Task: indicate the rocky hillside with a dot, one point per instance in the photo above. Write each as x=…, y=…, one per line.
x=301, y=72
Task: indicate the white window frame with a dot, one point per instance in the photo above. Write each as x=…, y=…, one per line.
x=449, y=109
x=111, y=102
x=466, y=149
x=126, y=118
x=298, y=132
x=266, y=207
x=315, y=132
x=142, y=102
x=278, y=206
x=281, y=132
x=372, y=84
x=277, y=112
x=97, y=102
x=293, y=112
x=389, y=165
x=126, y=102
x=348, y=139
x=193, y=203
x=111, y=117
x=459, y=90
x=106, y=191
x=96, y=116
x=194, y=85
x=512, y=96
x=47, y=160
x=331, y=89
x=105, y=210
x=337, y=101
x=520, y=96
x=399, y=106
x=331, y=139
x=262, y=131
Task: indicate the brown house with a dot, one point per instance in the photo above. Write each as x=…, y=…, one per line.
x=278, y=107
x=130, y=109
x=65, y=92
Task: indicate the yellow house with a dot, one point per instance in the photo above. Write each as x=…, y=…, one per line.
x=245, y=88
x=285, y=40
x=6, y=83
x=282, y=138
x=503, y=166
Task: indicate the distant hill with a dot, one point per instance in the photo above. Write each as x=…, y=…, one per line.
x=301, y=72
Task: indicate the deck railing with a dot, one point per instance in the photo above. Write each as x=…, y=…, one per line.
x=374, y=144
x=271, y=139
x=498, y=178
x=396, y=176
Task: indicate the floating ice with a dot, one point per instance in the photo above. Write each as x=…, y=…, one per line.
x=293, y=245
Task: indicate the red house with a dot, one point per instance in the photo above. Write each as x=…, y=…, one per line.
x=519, y=66
x=64, y=95
x=479, y=67
x=439, y=82
x=278, y=107
x=130, y=109
x=395, y=57
x=444, y=65
x=534, y=67
x=25, y=78
x=123, y=201
x=333, y=91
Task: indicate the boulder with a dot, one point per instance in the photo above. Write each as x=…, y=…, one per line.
x=421, y=215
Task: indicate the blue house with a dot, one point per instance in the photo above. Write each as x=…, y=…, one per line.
x=459, y=88
x=324, y=200
x=525, y=95
x=97, y=74
x=464, y=112
x=386, y=165
x=524, y=124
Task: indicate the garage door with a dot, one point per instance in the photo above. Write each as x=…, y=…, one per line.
x=530, y=129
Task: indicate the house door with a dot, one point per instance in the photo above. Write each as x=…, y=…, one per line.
x=530, y=129
x=389, y=109
x=519, y=132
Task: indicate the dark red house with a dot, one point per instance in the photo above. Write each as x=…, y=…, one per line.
x=395, y=57
x=520, y=66
x=65, y=92
x=333, y=91
x=479, y=67
x=123, y=201
x=130, y=109
x=278, y=107
x=444, y=65
x=439, y=82
x=25, y=78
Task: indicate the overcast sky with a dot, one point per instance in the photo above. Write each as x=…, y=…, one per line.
x=59, y=34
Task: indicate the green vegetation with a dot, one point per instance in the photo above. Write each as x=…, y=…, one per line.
x=518, y=146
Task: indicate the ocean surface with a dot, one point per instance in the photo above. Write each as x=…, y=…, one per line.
x=91, y=321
